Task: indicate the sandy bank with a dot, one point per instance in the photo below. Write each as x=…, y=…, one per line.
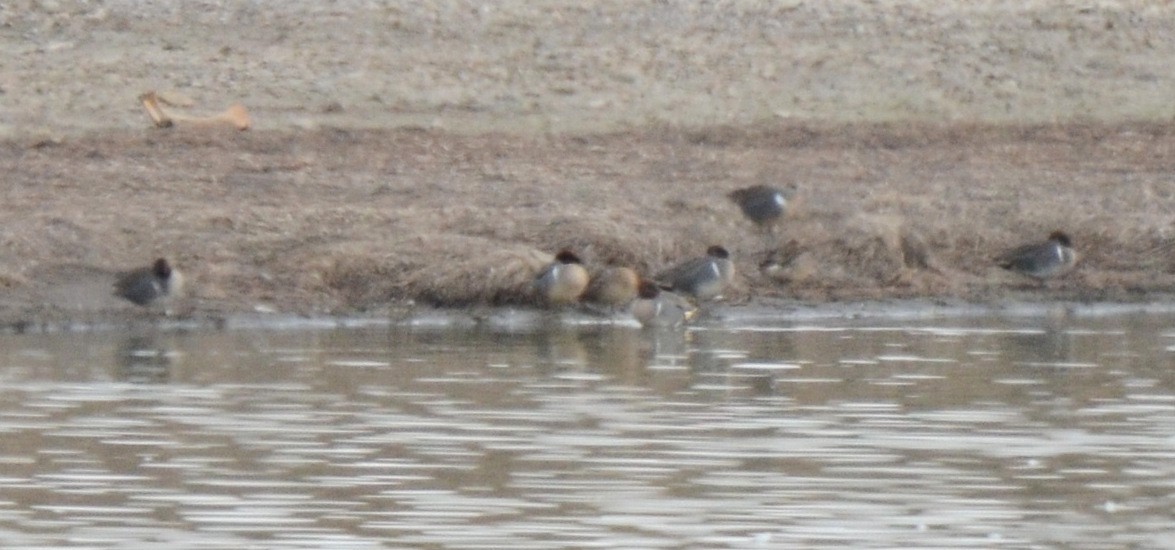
x=572, y=66
x=410, y=155
x=344, y=221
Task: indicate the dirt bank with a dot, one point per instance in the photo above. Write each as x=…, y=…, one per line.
x=339, y=220
x=436, y=153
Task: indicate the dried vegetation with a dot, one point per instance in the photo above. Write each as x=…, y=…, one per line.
x=342, y=221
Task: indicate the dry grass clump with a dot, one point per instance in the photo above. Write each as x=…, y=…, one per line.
x=599, y=240
x=476, y=274
x=869, y=247
x=439, y=270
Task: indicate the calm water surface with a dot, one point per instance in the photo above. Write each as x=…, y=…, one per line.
x=981, y=432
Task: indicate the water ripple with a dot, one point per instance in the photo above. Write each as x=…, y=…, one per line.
x=976, y=434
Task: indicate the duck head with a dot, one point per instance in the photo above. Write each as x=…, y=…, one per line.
x=717, y=251
x=566, y=256
x=648, y=290
x=161, y=268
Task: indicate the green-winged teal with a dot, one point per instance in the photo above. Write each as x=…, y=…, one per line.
x=146, y=285
x=702, y=278
x=613, y=287
x=1045, y=260
x=657, y=308
x=562, y=281
x=763, y=204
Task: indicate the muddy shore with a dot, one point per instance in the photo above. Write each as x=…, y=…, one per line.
x=340, y=221
x=394, y=166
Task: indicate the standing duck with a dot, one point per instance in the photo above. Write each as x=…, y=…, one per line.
x=762, y=204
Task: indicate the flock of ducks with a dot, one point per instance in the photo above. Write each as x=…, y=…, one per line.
x=670, y=297
x=668, y=300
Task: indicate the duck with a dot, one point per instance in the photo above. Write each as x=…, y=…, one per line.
x=1043, y=260
x=147, y=285
x=654, y=307
x=613, y=287
x=762, y=204
x=562, y=281
x=702, y=278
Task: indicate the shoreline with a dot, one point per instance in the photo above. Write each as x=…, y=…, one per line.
x=516, y=320
x=341, y=222
x=436, y=154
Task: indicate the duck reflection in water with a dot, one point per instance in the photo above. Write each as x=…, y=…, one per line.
x=1052, y=345
x=1049, y=341
x=141, y=360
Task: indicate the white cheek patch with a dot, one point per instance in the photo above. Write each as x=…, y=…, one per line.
x=714, y=269
x=779, y=199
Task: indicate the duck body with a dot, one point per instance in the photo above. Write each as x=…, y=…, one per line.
x=562, y=281
x=147, y=285
x=703, y=278
x=614, y=287
x=1041, y=261
x=654, y=307
x=764, y=205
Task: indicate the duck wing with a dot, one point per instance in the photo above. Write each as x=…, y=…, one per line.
x=685, y=275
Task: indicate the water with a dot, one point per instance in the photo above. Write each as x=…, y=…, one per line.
x=969, y=432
